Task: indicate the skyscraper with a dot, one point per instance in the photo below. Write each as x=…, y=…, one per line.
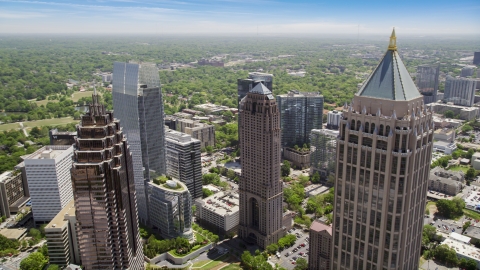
x=104, y=194
x=184, y=161
x=323, y=147
x=476, y=58
x=299, y=114
x=48, y=177
x=383, y=164
x=137, y=100
x=254, y=78
x=427, y=82
x=260, y=190
x=460, y=91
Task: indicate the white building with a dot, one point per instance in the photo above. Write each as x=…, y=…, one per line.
x=460, y=91
x=48, y=177
x=463, y=250
x=444, y=147
x=333, y=119
x=220, y=210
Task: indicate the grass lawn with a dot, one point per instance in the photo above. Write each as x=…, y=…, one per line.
x=215, y=262
x=44, y=102
x=200, y=263
x=49, y=122
x=232, y=267
x=79, y=95
x=5, y=127
x=471, y=214
x=459, y=168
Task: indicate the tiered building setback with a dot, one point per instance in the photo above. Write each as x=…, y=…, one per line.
x=383, y=164
x=104, y=194
x=261, y=192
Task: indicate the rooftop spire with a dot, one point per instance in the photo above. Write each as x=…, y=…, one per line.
x=393, y=41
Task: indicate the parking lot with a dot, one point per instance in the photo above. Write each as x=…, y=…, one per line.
x=289, y=255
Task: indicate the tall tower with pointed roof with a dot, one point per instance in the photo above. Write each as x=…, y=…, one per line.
x=383, y=162
x=261, y=191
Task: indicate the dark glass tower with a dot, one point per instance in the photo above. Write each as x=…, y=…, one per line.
x=137, y=100
x=104, y=194
x=427, y=82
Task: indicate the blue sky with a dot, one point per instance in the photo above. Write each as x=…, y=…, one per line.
x=241, y=16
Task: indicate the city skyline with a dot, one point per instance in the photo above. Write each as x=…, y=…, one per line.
x=233, y=16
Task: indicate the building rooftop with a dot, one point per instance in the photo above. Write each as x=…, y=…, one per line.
x=261, y=89
x=178, y=137
x=463, y=249
x=472, y=231
x=390, y=79
x=14, y=233
x=48, y=152
x=5, y=176
x=59, y=220
x=222, y=203
x=318, y=226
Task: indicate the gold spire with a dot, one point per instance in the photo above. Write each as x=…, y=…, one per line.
x=393, y=41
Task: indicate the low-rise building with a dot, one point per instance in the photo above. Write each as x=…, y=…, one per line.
x=209, y=108
x=13, y=192
x=320, y=245
x=299, y=159
x=442, y=122
x=444, y=147
x=220, y=211
x=202, y=132
x=170, y=207
x=62, y=237
x=463, y=250
x=464, y=113
x=444, y=134
x=447, y=182
x=476, y=161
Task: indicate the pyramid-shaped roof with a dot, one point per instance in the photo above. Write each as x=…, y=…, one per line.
x=261, y=89
x=390, y=80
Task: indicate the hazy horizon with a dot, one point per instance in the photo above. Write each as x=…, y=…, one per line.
x=241, y=17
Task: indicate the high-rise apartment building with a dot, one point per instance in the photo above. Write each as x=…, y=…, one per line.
x=467, y=71
x=323, y=147
x=460, y=91
x=48, y=177
x=104, y=194
x=476, y=58
x=137, y=101
x=427, y=82
x=171, y=209
x=61, y=235
x=383, y=164
x=333, y=119
x=320, y=246
x=299, y=114
x=184, y=160
x=260, y=189
x=200, y=131
x=13, y=192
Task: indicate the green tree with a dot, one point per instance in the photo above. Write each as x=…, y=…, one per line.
x=446, y=254
x=466, y=128
x=301, y=264
x=34, y=261
x=315, y=178
x=285, y=169
x=470, y=173
x=206, y=192
x=53, y=267
x=449, y=114
x=465, y=226
x=469, y=264
x=272, y=248
x=209, y=149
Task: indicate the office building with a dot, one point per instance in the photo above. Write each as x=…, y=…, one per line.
x=460, y=91
x=299, y=114
x=220, y=212
x=320, y=246
x=383, y=164
x=48, y=177
x=467, y=71
x=476, y=58
x=13, y=192
x=254, y=78
x=260, y=189
x=323, y=146
x=61, y=137
x=333, y=119
x=104, y=193
x=170, y=209
x=460, y=112
x=61, y=237
x=184, y=160
x=137, y=101
x=200, y=131
x=299, y=158
x=427, y=82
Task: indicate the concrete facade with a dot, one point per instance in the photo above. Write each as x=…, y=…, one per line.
x=202, y=132
x=476, y=161
x=298, y=159
x=446, y=182
x=13, y=192
x=333, y=119
x=220, y=210
x=460, y=91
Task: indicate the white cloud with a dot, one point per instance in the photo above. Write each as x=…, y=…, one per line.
x=20, y=15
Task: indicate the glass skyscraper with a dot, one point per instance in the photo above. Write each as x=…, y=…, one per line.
x=137, y=101
x=427, y=82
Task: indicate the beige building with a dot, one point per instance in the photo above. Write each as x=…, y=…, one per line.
x=260, y=189
x=13, y=192
x=220, y=210
x=202, y=132
x=446, y=182
x=320, y=246
x=298, y=159
x=383, y=164
x=476, y=161
x=62, y=237
x=444, y=134
x=464, y=113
